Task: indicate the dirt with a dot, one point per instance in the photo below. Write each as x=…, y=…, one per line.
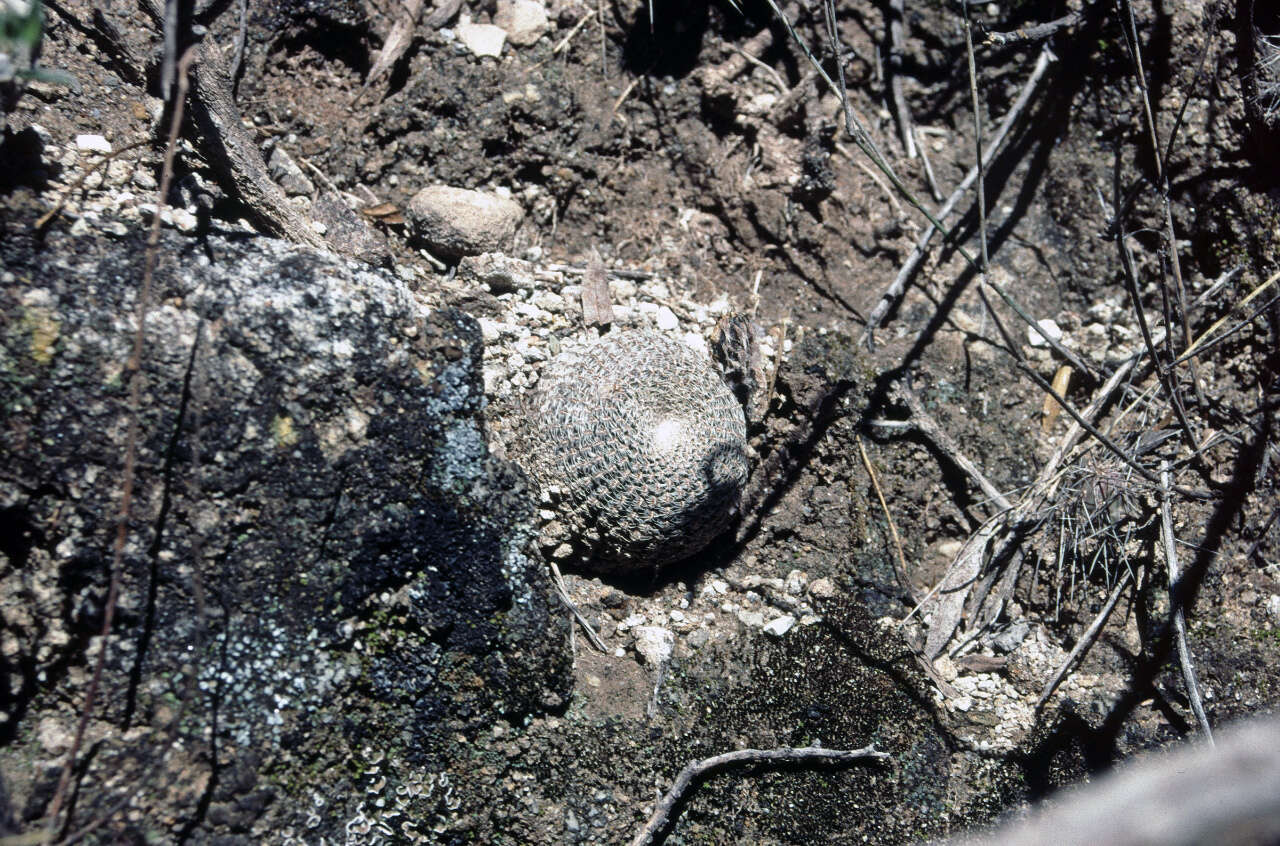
x=630, y=143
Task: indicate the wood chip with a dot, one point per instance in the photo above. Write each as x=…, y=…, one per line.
x=597, y=306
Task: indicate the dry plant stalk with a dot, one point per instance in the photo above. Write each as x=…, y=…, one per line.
x=786, y=754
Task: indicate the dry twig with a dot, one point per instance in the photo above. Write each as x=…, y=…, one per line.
x=1033, y=33
x=134, y=368
x=1179, y=615
x=1086, y=640
x=900, y=571
x=784, y=755
x=895, y=290
x=893, y=61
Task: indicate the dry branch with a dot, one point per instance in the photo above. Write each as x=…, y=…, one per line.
x=894, y=291
x=784, y=755
x=235, y=156
x=1086, y=640
x=1179, y=613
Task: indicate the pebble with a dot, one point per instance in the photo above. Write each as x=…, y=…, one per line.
x=1011, y=638
x=654, y=644
x=286, y=173
x=631, y=622
x=780, y=626
x=549, y=300
x=455, y=222
x=754, y=619
x=666, y=319
x=822, y=588
x=481, y=39
x=93, y=144
x=523, y=20
x=184, y=220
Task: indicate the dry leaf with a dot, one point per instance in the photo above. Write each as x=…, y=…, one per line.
x=384, y=213
x=946, y=603
x=1051, y=410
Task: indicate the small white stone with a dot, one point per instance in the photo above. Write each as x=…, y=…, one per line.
x=667, y=320
x=754, y=619
x=654, y=644
x=488, y=329
x=481, y=39
x=184, y=220
x=1047, y=329
x=631, y=622
x=780, y=626
x=822, y=588
x=523, y=20
x=93, y=144
x=549, y=300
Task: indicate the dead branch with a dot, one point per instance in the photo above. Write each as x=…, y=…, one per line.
x=236, y=157
x=893, y=62
x=783, y=755
x=1179, y=614
x=1086, y=640
x=895, y=290
x=1033, y=33
x=923, y=421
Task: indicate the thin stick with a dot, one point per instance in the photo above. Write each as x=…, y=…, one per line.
x=564, y=42
x=1162, y=175
x=773, y=75
x=1194, y=349
x=888, y=516
x=661, y=814
x=894, y=62
x=1164, y=374
x=134, y=366
x=563, y=593
x=1033, y=33
x=894, y=291
x=1086, y=640
x=929, y=427
x=875, y=177
x=1179, y=615
x=980, y=164
x=928, y=167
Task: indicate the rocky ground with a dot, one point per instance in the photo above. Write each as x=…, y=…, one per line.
x=335, y=619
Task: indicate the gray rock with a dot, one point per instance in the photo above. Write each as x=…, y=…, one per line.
x=347, y=232
x=1012, y=637
x=311, y=444
x=286, y=173
x=456, y=222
